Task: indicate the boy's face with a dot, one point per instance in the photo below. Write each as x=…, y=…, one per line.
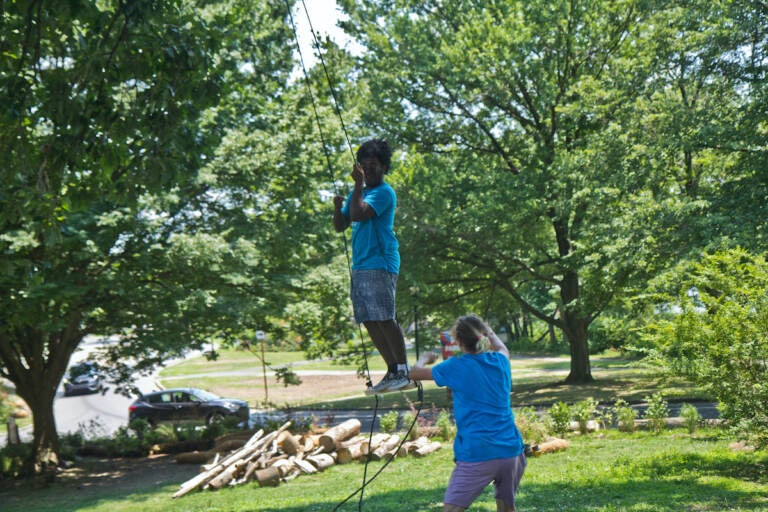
x=373, y=170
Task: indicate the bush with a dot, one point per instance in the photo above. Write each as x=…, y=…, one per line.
x=388, y=422
x=625, y=416
x=532, y=428
x=445, y=425
x=559, y=415
x=657, y=412
x=407, y=421
x=14, y=461
x=582, y=412
x=691, y=417
x=715, y=335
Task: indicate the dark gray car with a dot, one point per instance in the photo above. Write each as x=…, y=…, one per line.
x=187, y=405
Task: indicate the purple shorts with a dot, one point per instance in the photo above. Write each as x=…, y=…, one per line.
x=470, y=478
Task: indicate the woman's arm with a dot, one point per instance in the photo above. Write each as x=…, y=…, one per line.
x=496, y=344
x=419, y=372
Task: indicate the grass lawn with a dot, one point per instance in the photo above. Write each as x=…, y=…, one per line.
x=537, y=381
x=611, y=472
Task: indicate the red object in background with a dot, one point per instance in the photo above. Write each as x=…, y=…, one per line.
x=449, y=346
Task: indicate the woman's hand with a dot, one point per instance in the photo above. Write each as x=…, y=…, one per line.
x=426, y=358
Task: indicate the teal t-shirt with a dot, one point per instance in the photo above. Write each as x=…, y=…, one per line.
x=485, y=425
x=374, y=244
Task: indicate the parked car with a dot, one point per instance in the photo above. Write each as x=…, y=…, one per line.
x=83, y=378
x=187, y=405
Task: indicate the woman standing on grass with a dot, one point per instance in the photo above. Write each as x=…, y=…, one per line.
x=488, y=447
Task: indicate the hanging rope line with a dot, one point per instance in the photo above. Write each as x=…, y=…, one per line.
x=308, y=83
x=420, y=392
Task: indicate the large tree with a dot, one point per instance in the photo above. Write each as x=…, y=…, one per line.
x=532, y=131
x=115, y=201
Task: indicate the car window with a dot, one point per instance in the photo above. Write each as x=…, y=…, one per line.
x=160, y=398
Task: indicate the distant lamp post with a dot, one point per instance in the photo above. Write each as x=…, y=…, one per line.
x=260, y=339
x=415, y=295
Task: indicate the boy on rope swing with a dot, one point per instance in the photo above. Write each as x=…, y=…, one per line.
x=370, y=209
x=488, y=447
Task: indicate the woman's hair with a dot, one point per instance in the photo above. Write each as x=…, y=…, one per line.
x=378, y=149
x=469, y=330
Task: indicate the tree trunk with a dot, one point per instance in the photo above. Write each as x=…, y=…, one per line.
x=45, y=442
x=575, y=329
x=576, y=332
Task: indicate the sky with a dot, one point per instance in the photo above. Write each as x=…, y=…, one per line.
x=323, y=14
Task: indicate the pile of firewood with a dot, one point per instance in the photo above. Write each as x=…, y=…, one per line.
x=280, y=456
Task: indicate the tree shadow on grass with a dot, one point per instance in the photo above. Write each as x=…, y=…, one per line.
x=684, y=482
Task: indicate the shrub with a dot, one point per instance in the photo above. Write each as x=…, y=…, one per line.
x=388, y=422
x=715, y=335
x=532, y=428
x=407, y=421
x=657, y=412
x=691, y=417
x=582, y=412
x=445, y=425
x=625, y=416
x=559, y=415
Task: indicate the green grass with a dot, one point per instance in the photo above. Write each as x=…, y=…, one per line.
x=537, y=380
x=613, y=472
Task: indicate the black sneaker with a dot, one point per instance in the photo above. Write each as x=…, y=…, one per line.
x=382, y=386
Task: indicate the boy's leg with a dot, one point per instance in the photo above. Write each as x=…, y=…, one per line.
x=380, y=341
x=393, y=335
x=447, y=507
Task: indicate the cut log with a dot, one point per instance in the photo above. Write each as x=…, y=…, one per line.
x=322, y=460
x=347, y=454
x=412, y=446
x=195, y=457
x=268, y=477
x=288, y=443
x=232, y=472
x=255, y=444
x=427, y=449
x=308, y=443
x=387, y=449
x=551, y=446
x=331, y=439
x=305, y=466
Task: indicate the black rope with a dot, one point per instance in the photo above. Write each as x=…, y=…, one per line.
x=325, y=147
x=420, y=394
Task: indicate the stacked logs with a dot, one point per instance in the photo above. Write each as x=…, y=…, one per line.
x=280, y=456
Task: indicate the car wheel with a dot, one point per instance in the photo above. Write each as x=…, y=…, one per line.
x=214, y=418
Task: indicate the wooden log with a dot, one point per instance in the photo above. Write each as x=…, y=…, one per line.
x=195, y=457
x=213, y=463
x=305, y=466
x=412, y=446
x=229, y=445
x=268, y=477
x=550, y=446
x=308, y=443
x=332, y=438
x=322, y=460
x=288, y=443
x=233, y=471
x=387, y=449
x=255, y=444
x=427, y=449
x=352, y=452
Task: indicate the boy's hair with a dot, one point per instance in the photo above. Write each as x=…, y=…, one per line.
x=378, y=149
x=469, y=330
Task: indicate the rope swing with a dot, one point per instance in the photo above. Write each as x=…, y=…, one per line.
x=420, y=390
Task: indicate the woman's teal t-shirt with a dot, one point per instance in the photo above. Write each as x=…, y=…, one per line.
x=485, y=425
